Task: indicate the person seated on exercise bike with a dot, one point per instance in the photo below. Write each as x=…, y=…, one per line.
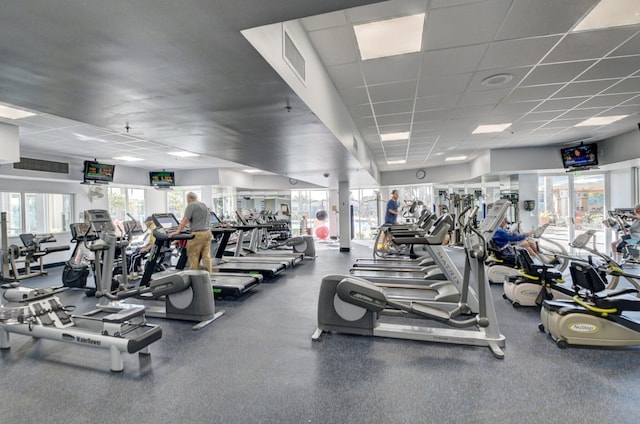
x=631, y=236
x=135, y=259
x=502, y=238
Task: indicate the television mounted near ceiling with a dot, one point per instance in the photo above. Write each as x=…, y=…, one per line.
x=100, y=173
x=162, y=179
x=582, y=157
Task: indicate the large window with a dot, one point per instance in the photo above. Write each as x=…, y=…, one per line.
x=36, y=212
x=11, y=203
x=177, y=200
x=123, y=201
x=365, y=213
x=306, y=204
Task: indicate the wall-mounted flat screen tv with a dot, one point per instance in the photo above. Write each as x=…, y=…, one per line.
x=162, y=178
x=582, y=156
x=98, y=172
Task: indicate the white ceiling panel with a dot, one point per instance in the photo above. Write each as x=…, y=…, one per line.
x=360, y=111
x=582, y=113
x=557, y=72
x=506, y=108
x=530, y=18
x=560, y=105
x=629, y=85
x=583, y=88
x=487, y=97
x=479, y=21
x=518, y=52
x=631, y=47
x=443, y=84
x=431, y=116
x=393, y=91
x=346, y=76
x=397, y=119
x=391, y=69
x=436, y=102
x=354, y=96
x=457, y=60
x=333, y=45
x=617, y=67
x=608, y=100
x=386, y=10
x=588, y=44
x=537, y=92
x=391, y=108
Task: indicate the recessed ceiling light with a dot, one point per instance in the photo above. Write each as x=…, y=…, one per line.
x=127, y=158
x=183, y=154
x=611, y=13
x=252, y=171
x=485, y=129
x=390, y=37
x=597, y=121
x=394, y=136
x=396, y=162
x=496, y=80
x=452, y=158
x=13, y=113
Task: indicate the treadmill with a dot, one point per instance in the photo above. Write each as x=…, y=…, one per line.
x=242, y=265
x=251, y=252
x=224, y=284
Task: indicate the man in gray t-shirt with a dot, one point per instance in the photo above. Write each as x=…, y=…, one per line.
x=196, y=215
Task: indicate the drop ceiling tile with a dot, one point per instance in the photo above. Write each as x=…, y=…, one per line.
x=334, y=45
x=525, y=19
x=617, y=67
x=556, y=73
x=471, y=111
x=360, y=111
x=631, y=47
x=519, y=52
x=609, y=100
x=536, y=92
x=398, y=119
x=364, y=122
x=561, y=105
x=588, y=44
x=486, y=97
x=443, y=84
x=393, y=91
x=390, y=108
x=582, y=113
x=457, y=60
x=479, y=21
x=431, y=116
x=629, y=85
x=385, y=129
x=354, y=96
x=346, y=75
x=541, y=116
x=583, y=88
x=507, y=108
x=391, y=69
x=632, y=101
x=437, y=102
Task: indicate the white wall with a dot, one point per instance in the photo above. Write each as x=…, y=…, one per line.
x=621, y=194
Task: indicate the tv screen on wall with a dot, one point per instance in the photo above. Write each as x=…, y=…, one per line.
x=98, y=172
x=584, y=155
x=162, y=178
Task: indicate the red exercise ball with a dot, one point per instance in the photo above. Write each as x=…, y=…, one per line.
x=322, y=232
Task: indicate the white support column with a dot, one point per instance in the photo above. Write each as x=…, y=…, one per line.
x=344, y=216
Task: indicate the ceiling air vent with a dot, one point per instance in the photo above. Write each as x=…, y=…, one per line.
x=294, y=58
x=29, y=164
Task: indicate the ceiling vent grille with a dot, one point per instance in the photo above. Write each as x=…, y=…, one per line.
x=29, y=164
x=294, y=58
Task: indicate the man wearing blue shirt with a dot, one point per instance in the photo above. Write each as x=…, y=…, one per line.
x=502, y=237
x=391, y=215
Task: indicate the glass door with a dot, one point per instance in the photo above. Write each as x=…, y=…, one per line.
x=589, y=208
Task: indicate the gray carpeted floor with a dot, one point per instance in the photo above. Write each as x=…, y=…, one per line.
x=257, y=364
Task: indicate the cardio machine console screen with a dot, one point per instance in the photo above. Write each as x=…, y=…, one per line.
x=100, y=219
x=166, y=221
